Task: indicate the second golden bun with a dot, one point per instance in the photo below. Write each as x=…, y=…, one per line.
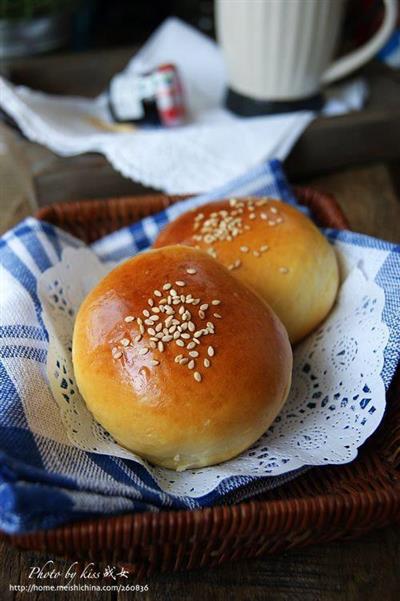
x=137, y=377
x=270, y=246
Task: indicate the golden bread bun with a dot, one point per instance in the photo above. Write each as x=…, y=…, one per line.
x=190, y=395
x=270, y=246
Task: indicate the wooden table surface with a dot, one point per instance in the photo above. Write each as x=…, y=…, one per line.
x=367, y=569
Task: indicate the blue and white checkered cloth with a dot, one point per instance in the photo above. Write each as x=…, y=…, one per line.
x=45, y=482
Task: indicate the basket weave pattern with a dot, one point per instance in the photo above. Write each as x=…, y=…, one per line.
x=322, y=505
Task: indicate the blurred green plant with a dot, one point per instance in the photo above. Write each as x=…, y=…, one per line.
x=28, y=9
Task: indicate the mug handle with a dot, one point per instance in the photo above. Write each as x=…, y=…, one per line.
x=345, y=65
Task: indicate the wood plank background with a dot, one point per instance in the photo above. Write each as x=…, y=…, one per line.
x=364, y=151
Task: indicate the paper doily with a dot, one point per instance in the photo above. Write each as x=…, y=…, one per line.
x=336, y=402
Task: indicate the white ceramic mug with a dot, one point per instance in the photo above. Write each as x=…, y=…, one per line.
x=281, y=50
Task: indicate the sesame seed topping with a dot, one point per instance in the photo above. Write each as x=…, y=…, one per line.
x=244, y=249
x=210, y=351
x=116, y=354
x=157, y=293
x=150, y=302
x=207, y=362
x=129, y=318
x=204, y=307
x=137, y=338
x=144, y=350
x=193, y=354
x=180, y=342
x=217, y=315
x=154, y=362
x=183, y=361
x=283, y=269
x=191, y=364
x=146, y=313
x=167, y=286
x=197, y=376
x=191, y=271
x=256, y=253
x=160, y=346
x=264, y=248
x=180, y=283
x=216, y=302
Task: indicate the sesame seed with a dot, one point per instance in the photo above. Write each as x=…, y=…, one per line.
x=264, y=216
x=167, y=286
x=273, y=209
x=264, y=248
x=158, y=327
x=207, y=362
x=138, y=338
x=154, y=362
x=160, y=346
x=154, y=318
x=210, y=351
x=143, y=351
x=117, y=354
x=216, y=302
x=148, y=322
x=157, y=293
x=129, y=318
x=196, y=340
x=237, y=263
x=155, y=310
x=153, y=345
x=146, y=313
x=197, y=376
x=180, y=283
x=256, y=253
x=141, y=329
x=204, y=307
x=191, y=326
x=184, y=361
x=178, y=358
x=190, y=345
x=191, y=271
x=193, y=354
x=179, y=342
x=252, y=216
x=191, y=364
x=125, y=341
x=151, y=331
x=150, y=302
x=167, y=338
x=244, y=249
x=217, y=315
x=173, y=292
x=202, y=314
x=176, y=334
x=283, y=269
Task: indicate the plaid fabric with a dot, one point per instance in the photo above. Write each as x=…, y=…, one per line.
x=43, y=482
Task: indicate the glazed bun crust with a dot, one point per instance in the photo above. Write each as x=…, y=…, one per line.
x=282, y=255
x=160, y=410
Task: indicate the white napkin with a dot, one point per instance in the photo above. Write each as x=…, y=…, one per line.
x=214, y=147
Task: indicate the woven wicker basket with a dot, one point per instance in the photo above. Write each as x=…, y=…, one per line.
x=324, y=504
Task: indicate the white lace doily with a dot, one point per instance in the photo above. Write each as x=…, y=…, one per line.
x=336, y=401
